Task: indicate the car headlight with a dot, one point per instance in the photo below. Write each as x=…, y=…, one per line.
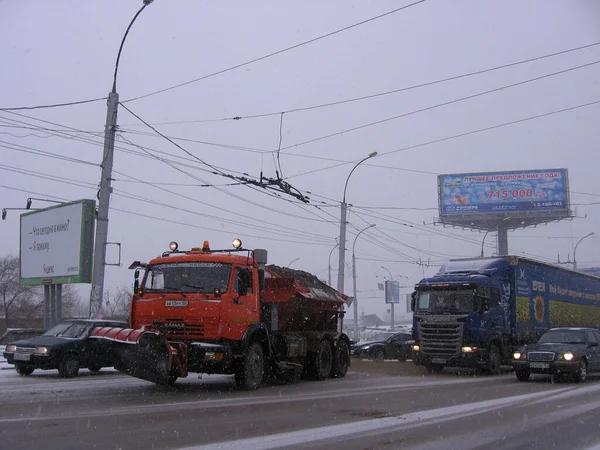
x=11, y=348
x=519, y=355
x=468, y=349
x=366, y=347
x=568, y=356
x=41, y=350
x=416, y=347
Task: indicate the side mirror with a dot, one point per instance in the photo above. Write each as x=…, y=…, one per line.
x=413, y=300
x=136, y=280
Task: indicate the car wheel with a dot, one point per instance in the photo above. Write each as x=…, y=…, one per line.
x=22, y=369
x=581, y=374
x=94, y=369
x=378, y=356
x=69, y=366
x=522, y=375
x=341, y=360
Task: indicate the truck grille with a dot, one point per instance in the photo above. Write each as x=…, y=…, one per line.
x=440, y=339
x=540, y=356
x=177, y=328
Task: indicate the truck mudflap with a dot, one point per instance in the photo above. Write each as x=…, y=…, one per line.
x=145, y=354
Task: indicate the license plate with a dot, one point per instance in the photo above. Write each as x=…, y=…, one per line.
x=177, y=303
x=439, y=361
x=538, y=365
x=22, y=357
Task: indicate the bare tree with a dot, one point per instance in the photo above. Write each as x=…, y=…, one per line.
x=15, y=298
x=116, y=302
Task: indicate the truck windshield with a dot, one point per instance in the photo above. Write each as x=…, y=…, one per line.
x=445, y=302
x=187, y=277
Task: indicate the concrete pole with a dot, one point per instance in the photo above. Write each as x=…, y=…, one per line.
x=97, y=291
x=105, y=189
x=355, y=303
x=391, y=296
x=342, y=252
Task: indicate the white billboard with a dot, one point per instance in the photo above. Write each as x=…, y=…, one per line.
x=56, y=244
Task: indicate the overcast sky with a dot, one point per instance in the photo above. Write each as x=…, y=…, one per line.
x=65, y=51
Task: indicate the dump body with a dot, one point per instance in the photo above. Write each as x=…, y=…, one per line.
x=475, y=312
x=206, y=312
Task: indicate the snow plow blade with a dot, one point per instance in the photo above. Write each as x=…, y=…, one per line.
x=141, y=354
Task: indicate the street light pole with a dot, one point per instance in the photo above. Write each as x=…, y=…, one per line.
x=392, y=300
x=575, y=251
x=293, y=261
x=354, y=282
x=329, y=267
x=105, y=189
x=342, y=254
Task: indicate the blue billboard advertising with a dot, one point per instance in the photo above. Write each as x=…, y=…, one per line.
x=503, y=192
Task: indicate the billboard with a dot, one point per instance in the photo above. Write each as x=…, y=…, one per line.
x=526, y=191
x=56, y=244
x=392, y=291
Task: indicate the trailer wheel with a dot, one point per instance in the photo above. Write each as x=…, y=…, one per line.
x=250, y=375
x=341, y=361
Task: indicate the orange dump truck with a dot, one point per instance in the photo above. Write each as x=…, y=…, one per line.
x=227, y=312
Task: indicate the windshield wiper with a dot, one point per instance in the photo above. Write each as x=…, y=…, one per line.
x=200, y=289
x=174, y=289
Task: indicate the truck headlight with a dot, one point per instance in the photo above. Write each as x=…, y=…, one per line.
x=416, y=347
x=519, y=355
x=468, y=349
x=11, y=348
x=568, y=356
x=41, y=350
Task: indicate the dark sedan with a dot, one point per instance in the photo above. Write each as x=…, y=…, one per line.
x=564, y=352
x=65, y=347
x=385, y=346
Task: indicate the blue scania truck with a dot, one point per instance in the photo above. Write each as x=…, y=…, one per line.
x=475, y=312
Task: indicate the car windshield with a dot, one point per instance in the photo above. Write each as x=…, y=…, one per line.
x=380, y=337
x=563, y=337
x=445, y=302
x=69, y=330
x=187, y=277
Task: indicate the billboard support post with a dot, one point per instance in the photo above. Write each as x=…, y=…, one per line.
x=502, y=241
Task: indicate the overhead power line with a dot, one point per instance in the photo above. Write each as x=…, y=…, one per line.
x=456, y=136
x=278, y=52
x=54, y=105
x=439, y=105
x=384, y=93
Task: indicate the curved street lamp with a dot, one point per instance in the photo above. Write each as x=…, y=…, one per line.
x=355, y=310
x=329, y=267
x=293, y=261
x=575, y=251
x=342, y=255
x=110, y=129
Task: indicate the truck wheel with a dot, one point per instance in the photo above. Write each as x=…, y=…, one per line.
x=22, y=369
x=322, y=361
x=494, y=361
x=250, y=375
x=378, y=356
x=522, y=375
x=68, y=367
x=341, y=361
x=581, y=374
x=434, y=368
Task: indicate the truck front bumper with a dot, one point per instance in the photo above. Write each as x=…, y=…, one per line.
x=210, y=358
x=472, y=360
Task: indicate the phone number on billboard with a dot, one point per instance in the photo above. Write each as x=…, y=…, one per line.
x=547, y=204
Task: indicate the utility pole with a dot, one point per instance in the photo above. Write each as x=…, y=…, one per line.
x=105, y=189
x=342, y=255
x=390, y=287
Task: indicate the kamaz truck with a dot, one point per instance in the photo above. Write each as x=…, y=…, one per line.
x=475, y=312
x=227, y=312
